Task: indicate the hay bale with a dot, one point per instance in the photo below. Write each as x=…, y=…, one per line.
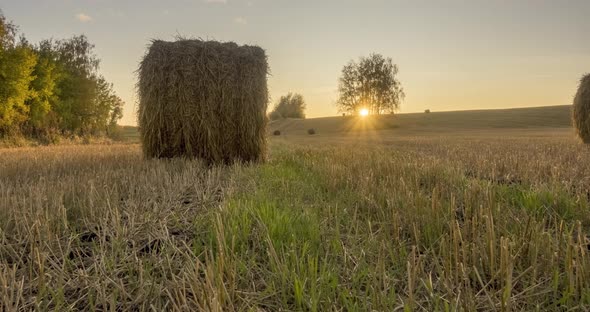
x=276, y=132
x=581, y=114
x=203, y=99
x=311, y=131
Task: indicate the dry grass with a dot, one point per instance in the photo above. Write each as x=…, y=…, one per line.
x=581, y=115
x=203, y=99
x=411, y=223
x=96, y=227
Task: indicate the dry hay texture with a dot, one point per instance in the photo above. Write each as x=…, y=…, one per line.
x=582, y=109
x=203, y=99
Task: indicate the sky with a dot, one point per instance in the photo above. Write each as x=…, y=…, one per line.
x=452, y=55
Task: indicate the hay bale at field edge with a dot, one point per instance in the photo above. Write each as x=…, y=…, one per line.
x=203, y=99
x=581, y=111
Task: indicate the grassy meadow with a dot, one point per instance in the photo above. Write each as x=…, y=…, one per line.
x=457, y=211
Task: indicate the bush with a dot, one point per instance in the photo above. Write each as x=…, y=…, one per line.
x=276, y=132
x=291, y=105
x=48, y=136
x=274, y=115
x=427, y=111
x=311, y=131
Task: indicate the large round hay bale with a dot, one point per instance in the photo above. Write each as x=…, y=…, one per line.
x=582, y=109
x=203, y=99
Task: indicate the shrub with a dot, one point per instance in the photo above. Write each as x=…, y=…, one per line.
x=311, y=131
x=48, y=136
x=581, y=113
x=274, y=115
x=203, y=99
x=291, y=105
x=276, y=132
x=427, y=111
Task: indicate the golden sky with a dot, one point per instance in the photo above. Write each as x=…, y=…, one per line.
x=452, y=55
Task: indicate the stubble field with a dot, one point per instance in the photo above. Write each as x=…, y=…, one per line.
x=385, y=219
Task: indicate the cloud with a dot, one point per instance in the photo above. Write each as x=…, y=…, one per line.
x=84, y=18
x=215, y=1
x=240, y=20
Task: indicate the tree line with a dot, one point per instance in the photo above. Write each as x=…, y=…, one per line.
x=53, y=88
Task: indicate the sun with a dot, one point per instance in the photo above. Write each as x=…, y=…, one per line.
x=364, y=112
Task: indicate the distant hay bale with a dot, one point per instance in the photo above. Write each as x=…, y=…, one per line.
x=276, y=132
x=311, y=131
x=203, y=99
x=581, y=114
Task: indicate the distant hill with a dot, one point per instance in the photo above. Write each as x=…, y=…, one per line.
x=547, y=117
x=515, y=118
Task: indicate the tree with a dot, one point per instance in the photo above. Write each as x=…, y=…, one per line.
x=7, y=32
x=53, y=87
x=291, y=105
x=79, y=84
x=17, y=62
x=108, y=107
x=43, y=88
x=371, y=84
x=87, y=103
x=16, y=68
